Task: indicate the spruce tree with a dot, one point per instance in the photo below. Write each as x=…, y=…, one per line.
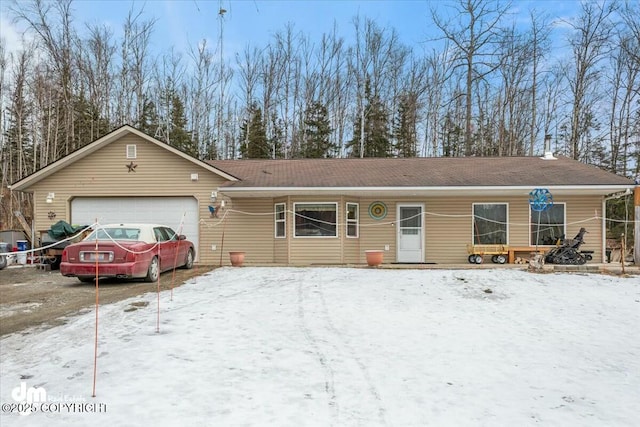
x=179, y=136
x=377, y=140
x=149, y=122
x=253, y=136
x=316, y=133
x=404, y=127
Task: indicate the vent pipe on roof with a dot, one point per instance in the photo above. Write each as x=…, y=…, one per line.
x=548, y=154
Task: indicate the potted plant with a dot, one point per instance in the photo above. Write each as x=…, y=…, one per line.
x=374, y=257
x=237, y=258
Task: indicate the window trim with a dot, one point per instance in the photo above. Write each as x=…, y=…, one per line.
x=355, y=221
x=564, y=224
x=276, y=221
x=135, y=151
x=295, y=213
x=473, y=222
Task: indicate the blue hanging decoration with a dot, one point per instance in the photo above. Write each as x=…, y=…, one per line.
x=540, y=199
x=212, y=211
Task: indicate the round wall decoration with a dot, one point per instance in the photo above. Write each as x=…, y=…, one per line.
x=377, y=210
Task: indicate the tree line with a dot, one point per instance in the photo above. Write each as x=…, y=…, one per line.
x=485, y=86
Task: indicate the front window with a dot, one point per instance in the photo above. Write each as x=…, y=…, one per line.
x=548, y=226
x=280, y=220
x=352, y=220
x=489, y=223
x=315, y=219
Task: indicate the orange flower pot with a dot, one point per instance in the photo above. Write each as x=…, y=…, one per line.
x=374, y=257
x=237, y=258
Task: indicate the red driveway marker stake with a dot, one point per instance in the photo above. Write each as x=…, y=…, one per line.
x=95, y=346
x=158, y=291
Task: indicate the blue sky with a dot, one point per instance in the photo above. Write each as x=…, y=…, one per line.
x=183, y=23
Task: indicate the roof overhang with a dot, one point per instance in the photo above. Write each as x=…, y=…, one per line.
x=26, y=182
x=395, y=192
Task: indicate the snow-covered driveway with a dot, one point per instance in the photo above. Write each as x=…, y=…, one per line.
x=344, y=347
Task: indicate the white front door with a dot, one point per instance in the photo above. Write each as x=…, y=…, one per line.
x=410, y=233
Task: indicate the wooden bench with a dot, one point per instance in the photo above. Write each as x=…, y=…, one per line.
x=514, y=249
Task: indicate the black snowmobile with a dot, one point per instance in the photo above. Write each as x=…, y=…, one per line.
x=568, y=251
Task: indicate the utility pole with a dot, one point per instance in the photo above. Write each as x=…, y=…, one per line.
x=362, y=132
x=636, y=234
x=223, y=147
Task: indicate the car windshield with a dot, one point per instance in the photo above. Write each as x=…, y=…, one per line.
x=115, y=233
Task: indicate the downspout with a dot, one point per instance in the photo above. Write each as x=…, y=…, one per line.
x=603, y=231
x=636, y=229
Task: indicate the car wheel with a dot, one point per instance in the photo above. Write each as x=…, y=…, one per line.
x=188, y=264
x=3, y=261
x=154, y=271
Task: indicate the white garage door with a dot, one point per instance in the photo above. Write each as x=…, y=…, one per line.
x=158, y=210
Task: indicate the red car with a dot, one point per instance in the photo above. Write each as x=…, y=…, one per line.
x=127, y=251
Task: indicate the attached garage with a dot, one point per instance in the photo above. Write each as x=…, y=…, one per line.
x=158, y=210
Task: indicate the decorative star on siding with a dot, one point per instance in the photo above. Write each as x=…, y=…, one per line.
x=51, y=215
x=132, y=167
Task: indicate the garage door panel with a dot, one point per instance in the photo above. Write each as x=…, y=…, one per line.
x=160, y=210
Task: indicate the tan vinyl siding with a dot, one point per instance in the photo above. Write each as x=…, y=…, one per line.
x=447, y=236
x=449, y=229
x=582, y=212
x=449, y=225
x=375, y=234
x=247, y=225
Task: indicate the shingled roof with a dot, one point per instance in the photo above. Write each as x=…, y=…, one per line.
x=416, y=172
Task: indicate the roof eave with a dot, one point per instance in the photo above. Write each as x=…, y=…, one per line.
x=441, y=191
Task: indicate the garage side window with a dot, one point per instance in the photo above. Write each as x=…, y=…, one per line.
x=352, y=219
x=315, y=219
x=280, y=220
x=548, y=226
x=490, y=223
x=131, y=151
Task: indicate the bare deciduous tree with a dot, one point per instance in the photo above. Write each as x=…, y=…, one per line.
x=589, y=43
x=474, y=35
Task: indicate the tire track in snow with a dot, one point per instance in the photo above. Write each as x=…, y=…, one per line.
x=265, y=283
x=329, y=386
x=353, y=355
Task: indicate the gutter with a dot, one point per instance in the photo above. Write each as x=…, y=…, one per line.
x=418, y=191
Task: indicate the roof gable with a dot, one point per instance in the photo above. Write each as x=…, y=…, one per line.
x=96, y=145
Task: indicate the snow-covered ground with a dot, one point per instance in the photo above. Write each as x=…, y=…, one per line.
x=342, y=347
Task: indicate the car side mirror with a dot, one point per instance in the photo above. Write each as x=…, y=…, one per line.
x=182, y=237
